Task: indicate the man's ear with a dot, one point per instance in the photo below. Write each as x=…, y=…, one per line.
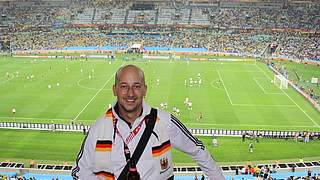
x=114, y=90
x=145, y=90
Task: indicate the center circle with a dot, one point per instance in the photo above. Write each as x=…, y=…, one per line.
x=89, y=83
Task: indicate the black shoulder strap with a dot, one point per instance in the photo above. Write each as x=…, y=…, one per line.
x=150, y=122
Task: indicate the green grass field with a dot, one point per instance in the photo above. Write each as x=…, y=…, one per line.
x=60, y=147
x=233, y=95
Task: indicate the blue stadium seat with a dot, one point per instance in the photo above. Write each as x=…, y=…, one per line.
x=8, y=173
x=48, y=176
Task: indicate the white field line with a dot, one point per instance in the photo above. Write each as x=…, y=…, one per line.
x=265, y=105
x=104, y=85
x=238, y=71
x=233, y=63
x=30, y=118
x=153, y=62
x=257, y=82
x=89, y=88
x=316, y=124
x=255, y=105
x=214, y=86
x=225, y=87
x=251, y=125
x=263, y=90
x=6, y=80
x=37, y=118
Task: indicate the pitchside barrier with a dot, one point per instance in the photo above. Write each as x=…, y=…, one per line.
x=182, y=170
x=178, y=170
x=44, y=126
x=196, y=132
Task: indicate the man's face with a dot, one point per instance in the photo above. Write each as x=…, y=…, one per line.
x=130, y=90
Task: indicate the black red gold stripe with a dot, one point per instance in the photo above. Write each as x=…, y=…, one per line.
x=107, y=175
x=104, y=146
x=109, y=113
x=164, y=147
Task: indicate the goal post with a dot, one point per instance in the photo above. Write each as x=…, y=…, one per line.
x=280, y=81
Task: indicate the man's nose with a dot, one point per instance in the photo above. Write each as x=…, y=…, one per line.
x=130, y=90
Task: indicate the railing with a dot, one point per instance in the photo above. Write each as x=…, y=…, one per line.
x=194, y=131
x=44, y=126
x=178, y=170
x=183, y=170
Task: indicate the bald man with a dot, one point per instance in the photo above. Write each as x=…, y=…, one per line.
x=133, y=131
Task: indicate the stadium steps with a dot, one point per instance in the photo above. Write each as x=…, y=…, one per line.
x=126, y=16
x=157, y=16
x=94, y=15
x=190, y=16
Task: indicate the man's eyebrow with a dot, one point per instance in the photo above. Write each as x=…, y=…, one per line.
x=133, y=83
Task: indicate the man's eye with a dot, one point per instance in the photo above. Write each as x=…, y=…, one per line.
x=124, y=87
x=137, y=86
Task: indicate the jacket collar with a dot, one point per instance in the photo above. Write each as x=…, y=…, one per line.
x=145, y=111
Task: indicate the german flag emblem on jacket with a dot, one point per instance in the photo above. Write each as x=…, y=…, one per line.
x=104, y=145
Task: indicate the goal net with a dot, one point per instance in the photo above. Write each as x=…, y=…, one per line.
x=280, y=81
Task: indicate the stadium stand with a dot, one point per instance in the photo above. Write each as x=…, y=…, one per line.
x=165, y=16
x=141, y=17
x=221, y=14
x=251, y=43
x=199, y=16
x=85, y=17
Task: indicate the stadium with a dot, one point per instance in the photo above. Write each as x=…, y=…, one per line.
x=242, y=75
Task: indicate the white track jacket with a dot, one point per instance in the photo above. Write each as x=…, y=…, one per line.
x=102, y=152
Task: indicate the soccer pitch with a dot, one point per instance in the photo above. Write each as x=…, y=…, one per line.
x=232, y=95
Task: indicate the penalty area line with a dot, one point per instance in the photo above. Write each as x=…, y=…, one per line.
x=220, y=77
x=299, y=107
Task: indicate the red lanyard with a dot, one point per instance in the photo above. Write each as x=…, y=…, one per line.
x=128, y=139
x=132, y=133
